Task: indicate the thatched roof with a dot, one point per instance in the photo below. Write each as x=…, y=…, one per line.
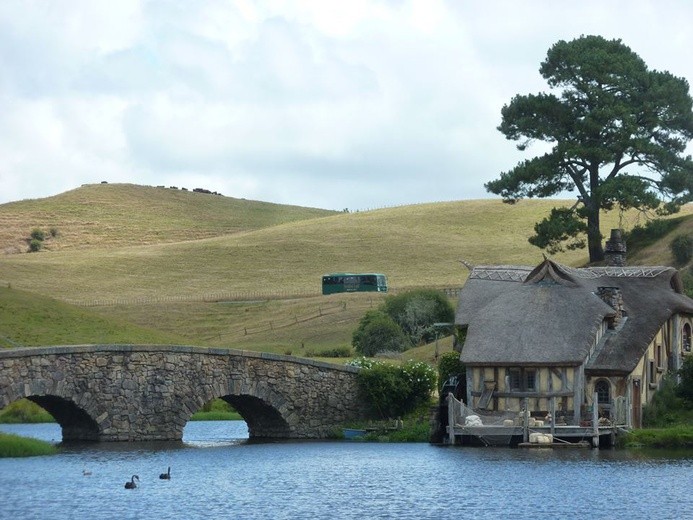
x=551, y=314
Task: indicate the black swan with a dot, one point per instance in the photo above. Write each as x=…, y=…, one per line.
x=131, y=484
x=167, y=475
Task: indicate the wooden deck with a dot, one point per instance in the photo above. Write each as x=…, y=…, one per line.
x=515, y=435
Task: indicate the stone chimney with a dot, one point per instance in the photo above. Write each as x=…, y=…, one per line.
x=615, y=250
x=612, y=296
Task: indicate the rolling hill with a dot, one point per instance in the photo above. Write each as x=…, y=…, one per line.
x=227, y=272
x=107, y=216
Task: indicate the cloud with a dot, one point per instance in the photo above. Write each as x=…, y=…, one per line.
x=329, y=104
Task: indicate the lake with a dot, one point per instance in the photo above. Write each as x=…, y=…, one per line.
x=217, y=473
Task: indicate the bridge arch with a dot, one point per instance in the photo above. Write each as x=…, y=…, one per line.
x=149, y=392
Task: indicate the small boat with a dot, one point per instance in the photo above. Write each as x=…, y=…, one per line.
x=353, y=433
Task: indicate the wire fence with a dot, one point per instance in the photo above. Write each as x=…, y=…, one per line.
x=319, y=312
x=238, y=296
x=222, y=296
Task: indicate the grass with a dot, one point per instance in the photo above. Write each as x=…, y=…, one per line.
x=418, y=245
x=674, y=437
x=29, y=319
x=24, y=411
x=216, y=416
x=107, y=216
x=16, y=446
x=415, y=427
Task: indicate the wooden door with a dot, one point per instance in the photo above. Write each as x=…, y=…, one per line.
x=637, y=404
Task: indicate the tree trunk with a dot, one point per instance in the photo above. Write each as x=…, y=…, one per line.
x=594, y=236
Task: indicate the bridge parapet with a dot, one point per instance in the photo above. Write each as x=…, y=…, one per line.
x=149, y=392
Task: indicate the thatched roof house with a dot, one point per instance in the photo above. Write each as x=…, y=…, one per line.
x=557, y=334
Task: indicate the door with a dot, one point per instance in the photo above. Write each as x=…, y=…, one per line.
x=637, y=405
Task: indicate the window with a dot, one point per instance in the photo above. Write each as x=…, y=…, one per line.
x=603, y=391
x=514, y=379
x=530, y=380
x=522, y=379
x=651, y=372
x=658, y=356
x=686, y=338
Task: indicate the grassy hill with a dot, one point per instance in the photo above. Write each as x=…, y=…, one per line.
x=107, y=216
x=28, y=319
x=245, y=259
x=418, y=245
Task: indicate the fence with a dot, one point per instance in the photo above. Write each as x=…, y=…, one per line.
x=450, y=292
x=321, y=311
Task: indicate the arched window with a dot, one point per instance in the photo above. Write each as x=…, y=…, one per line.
x=603, y=389
x=686, y=337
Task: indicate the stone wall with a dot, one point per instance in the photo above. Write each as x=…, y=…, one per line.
x=133, y=393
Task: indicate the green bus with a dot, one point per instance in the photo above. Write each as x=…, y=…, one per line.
x=352, y=282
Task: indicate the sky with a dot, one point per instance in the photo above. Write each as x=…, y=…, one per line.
x=357, y=104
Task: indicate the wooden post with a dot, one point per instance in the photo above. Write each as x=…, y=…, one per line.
x=525, y=429
x=595, y=420
x=451, y=418
x=552, y=411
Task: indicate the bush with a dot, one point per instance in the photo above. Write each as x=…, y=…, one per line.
x=685, y=387
x=416, y=312
x=450, y=365
x=368, y=318
x=643, y=236
x=35, y=245
x=378, y=335
x=337, y=352
x=663, y=409
x=37, y=234
x=393, y=391
x=682, y=249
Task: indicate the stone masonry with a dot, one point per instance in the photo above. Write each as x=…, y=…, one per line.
x=149, y=392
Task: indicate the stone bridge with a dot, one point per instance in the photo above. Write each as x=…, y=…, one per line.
x=149, y=392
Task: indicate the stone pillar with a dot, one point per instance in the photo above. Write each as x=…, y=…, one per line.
x=615, y=250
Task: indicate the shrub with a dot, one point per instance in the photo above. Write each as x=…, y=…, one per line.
x=450, y=365
x=37, y=234
x=367, y=319
x=53, y=232
x=682, y=249
x=35, y=245
x=643, y=236
x=393, y=391
x=685, y=386
x=421, y=381
x=337, y=352
x=662, y=410
x=381, y=334
x=416, y=312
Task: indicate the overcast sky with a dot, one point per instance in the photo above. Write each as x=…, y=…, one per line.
x=353, y=104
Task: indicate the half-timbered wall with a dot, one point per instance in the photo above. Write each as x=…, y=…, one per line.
x=509, y=394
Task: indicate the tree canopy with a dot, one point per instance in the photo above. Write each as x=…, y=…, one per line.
x=618, y=132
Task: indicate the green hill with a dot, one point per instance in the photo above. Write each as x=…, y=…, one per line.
x=28, y=320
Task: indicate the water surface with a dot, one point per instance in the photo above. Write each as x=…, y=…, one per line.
x=217, y=473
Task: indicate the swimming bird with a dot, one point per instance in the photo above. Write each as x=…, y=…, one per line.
x=86, y=473
x=131, y=484
x=167, y=475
